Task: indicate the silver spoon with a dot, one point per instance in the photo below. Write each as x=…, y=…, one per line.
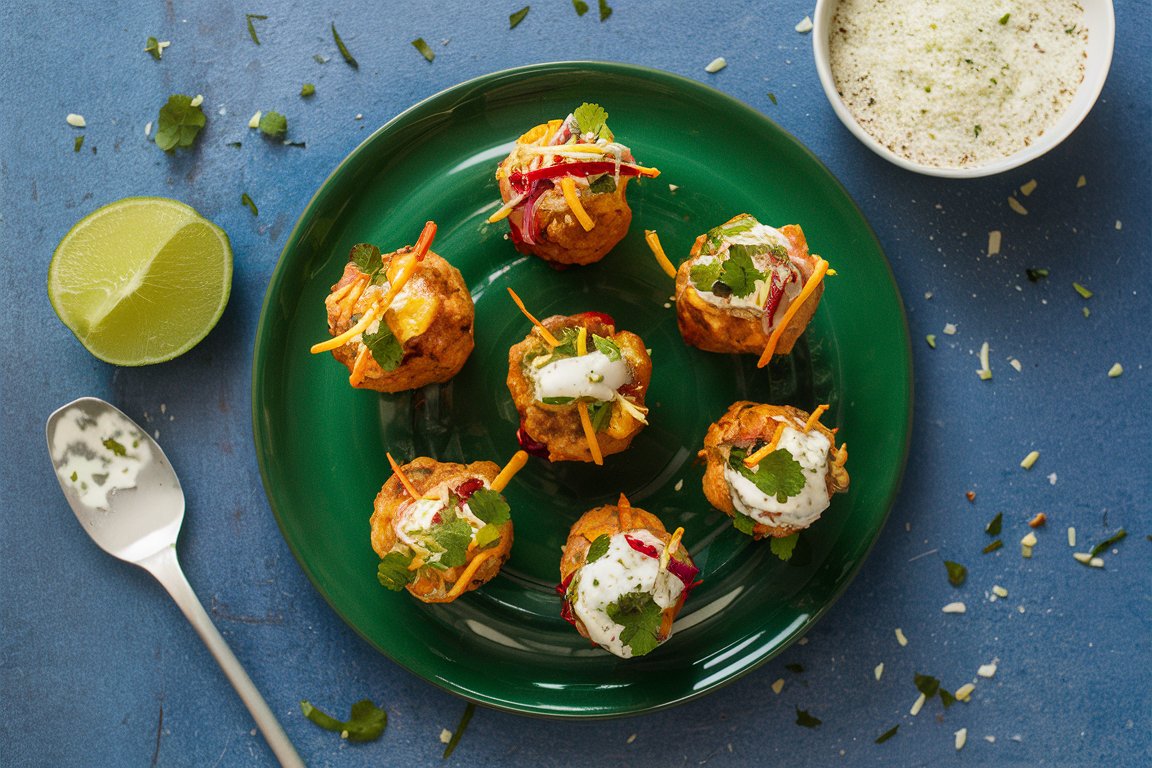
x=127, y=497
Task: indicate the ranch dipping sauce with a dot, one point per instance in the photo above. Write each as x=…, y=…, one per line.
x=811, y=450
x=957, y=83
x=98, y=456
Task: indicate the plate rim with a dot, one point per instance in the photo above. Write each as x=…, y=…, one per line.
x=261, y=438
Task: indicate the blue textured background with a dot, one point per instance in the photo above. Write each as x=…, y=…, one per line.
x=97, y=666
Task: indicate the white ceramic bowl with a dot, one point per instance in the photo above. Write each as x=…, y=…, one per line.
x=1101, y=23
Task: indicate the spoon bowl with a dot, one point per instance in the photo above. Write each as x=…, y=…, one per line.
x=127, y=497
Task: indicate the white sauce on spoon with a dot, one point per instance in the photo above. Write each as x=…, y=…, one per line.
x=87, y=454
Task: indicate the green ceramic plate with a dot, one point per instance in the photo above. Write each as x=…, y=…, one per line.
x=321, y=444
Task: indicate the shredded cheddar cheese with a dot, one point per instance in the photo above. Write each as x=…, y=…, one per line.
x=360, y=366
x=568, y=187
x=462, y=582
x=404, y=481
x=814, y=418
x=793, y=308
x=349, y=304
x=758, y=456
x=338, y=341
x=589, y=433
x=514, y=465
x=549, y=339
x=671, y=547
x=662, y=259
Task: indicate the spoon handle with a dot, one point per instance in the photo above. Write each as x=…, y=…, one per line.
x=166, y=568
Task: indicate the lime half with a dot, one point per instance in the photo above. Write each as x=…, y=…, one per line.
x=141, y=280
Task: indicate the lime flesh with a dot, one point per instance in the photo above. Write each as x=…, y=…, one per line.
x=141, y=280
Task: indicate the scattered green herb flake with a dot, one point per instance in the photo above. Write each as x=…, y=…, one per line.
x=946, y=698
x=794, y=668
x=993, y=547
x=1114, y=538
x=931, y=339
x=805, y=719
x=77, y=143
x=73, y=477
x=957, y=574
x=580, y=6
x=743, y=523
x=384, y=347
x=592, y=118
x=308, y=89
x=460, y=728
x=179, y=123
x=454, y=537
x=605, y=182
x=348, y=57
x=887, y=734
x=152, y=46
x=115, y=447
x=1035, y=274
x=927, y=685
x=740, y=272
x=782, y=547
x=608, y=347
x=976, y=131
x=600, y=414
x=772, y=97
x=605, y=10
x=489, y=506
x=515, y=18
x=777, y=474
x=487, y=536
x=235, y=144
x=248, y=203
x=1085, y=311
x=598, y=548
x=993, y=527
x=1084, y=292
x=393, y=571
x=641, y=617
x=1004, y=19
x=366, y=723
x=273, y=124
x=425, y=51
x=704, y=276
x=252, y=27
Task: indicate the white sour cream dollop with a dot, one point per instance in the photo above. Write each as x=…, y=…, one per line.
x=811, y=451
x=759, y=234
x=617, y=572
x=417, y=516
x=591, y=375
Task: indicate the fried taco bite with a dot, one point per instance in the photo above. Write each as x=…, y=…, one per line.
x=563, y=187
x=442, y=529
x=579, y=387
x=399, y=320
x=747, y=288
x=624, y=578
x=772, y=468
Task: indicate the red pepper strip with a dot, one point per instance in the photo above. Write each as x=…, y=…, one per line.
x=468, y=487
x=775, y=293
x=530, y=445
x=565, y=606
x=562, y=587
x=575, y=169
x=601, y=316
x=686, y=572
x=641, y=547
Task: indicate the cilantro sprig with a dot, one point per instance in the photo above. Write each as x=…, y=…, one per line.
x=384, y=347
x=783, y=546
x=734, y=275
x=366, y=723
x=592, y=118
x=393, y=572
x=640, y=616
x=777, y=474
x=489, y=506
x=179, y=123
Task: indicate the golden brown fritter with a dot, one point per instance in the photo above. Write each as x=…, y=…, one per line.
x=746, y=424
x=432, y=318
x=427, y=474
x=717, y=329
x=609, y=520
x=558, y=427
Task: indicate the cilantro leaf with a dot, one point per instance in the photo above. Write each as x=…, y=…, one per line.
x=454, y=537
x=794, y=668
x=348, y=57
x=567, y=338
x=740, y=272
x=1119, y=535
x=603, y=183
x=805, y=719
x=273, y=124
x=599, y=414
x=366, y=257
x=605, y=10
x=248, y=203
x=384, y=347
x=424, y=49
x=782, y=547
x=489, y=506
x=77, y=143
x=777, y=474
x=946, y=698
x=487, y=536
x=115, y=447
x=927, y=685
x=956, y=573
x=743, y=523
x=460, y=728
x=179, y=123
x=887, y=734
x=1035, y=273
x=514, y=19
x=366, y=723
x=598, y=549
x=610, y=349
x=705, y=276
x=252, y=27
x=592, y=118
x=308, y=89
x=641, y=617
x=580, y=6
x=152, y=46
x=393, y=571
x=729, y=229
x=993, y=528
